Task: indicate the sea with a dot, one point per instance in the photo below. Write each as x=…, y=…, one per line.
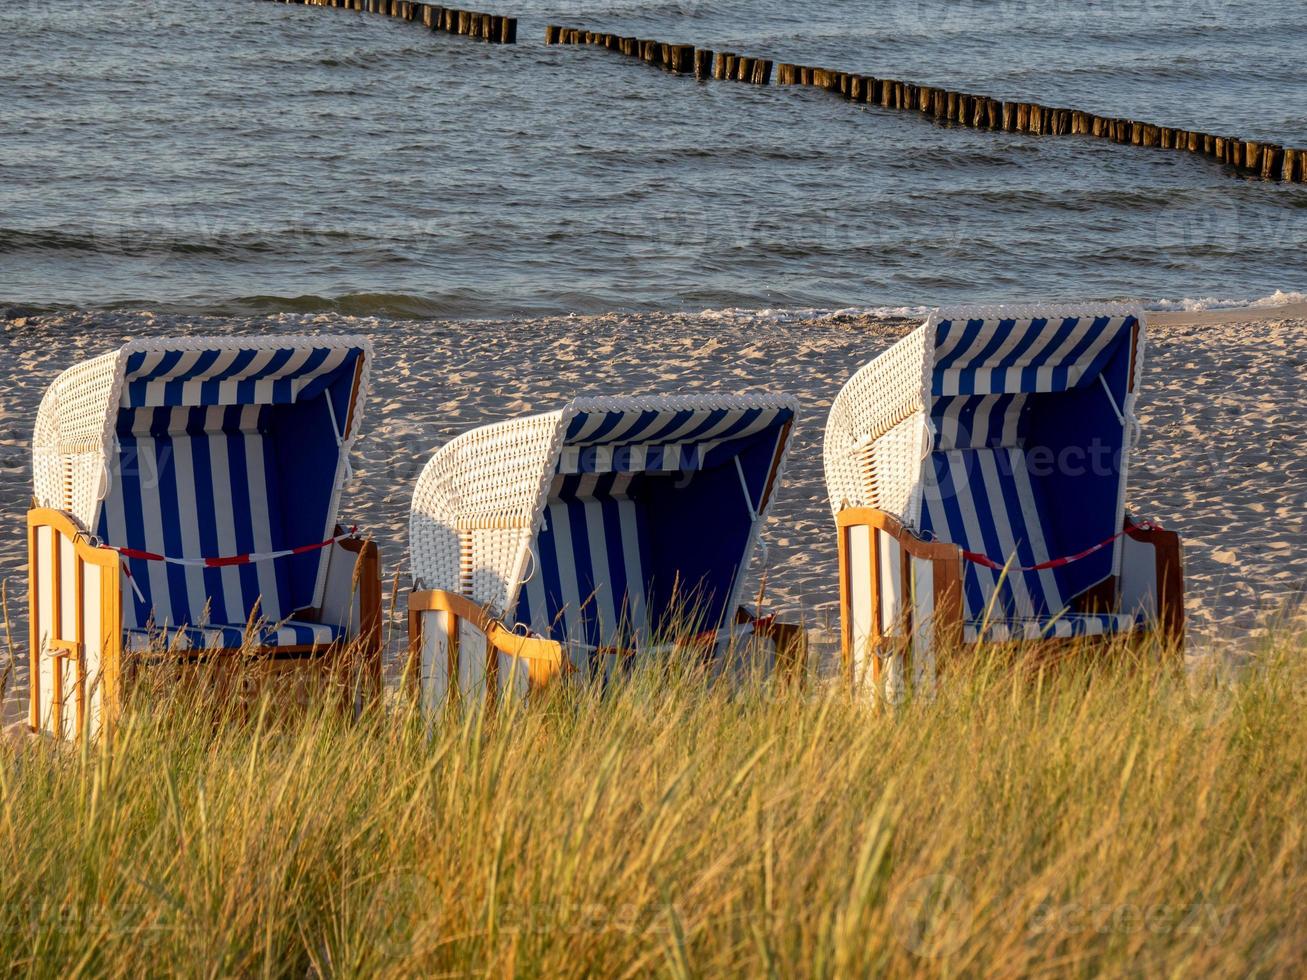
x=239, y=158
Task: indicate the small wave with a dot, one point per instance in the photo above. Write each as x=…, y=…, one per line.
x=473, y=305
x=1192, y=304
x=735, y=315
x=162, y=238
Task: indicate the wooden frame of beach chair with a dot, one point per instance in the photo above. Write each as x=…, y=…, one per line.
x=581, y=487
x=123, y=433
x=877, y=619
x=545, y=660
x=915, y=427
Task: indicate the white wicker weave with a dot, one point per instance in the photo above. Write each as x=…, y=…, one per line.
x=74, y=438
x=481, y=498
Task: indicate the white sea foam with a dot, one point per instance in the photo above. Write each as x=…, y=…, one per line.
x=1198, y=304
x=736, y=315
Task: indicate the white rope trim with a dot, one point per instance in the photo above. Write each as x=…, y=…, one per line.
x=1111, y=398
x=754, y=530
x=342, y=454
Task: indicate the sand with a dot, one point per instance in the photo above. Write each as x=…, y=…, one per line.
x=1221, y=460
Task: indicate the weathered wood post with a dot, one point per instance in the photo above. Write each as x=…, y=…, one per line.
x=1289, y=169
x=703, y=59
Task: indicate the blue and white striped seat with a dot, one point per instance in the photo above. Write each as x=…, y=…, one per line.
x=1062, y=627
x=230, y=637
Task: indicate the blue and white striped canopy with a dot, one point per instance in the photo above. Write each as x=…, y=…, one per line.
x=663, y=440
x=996, y=356
x=233, y=375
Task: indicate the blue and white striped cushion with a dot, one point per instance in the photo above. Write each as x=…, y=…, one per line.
x=1061, y=627
x=588, y=581
x=985, y=501
x=231, y=637
x=978, y=421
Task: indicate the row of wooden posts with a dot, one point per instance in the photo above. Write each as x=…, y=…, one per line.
x=680, y=59
x=469, y=23
x=1267, y=160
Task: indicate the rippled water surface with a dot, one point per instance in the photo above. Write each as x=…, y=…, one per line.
x=241, y=156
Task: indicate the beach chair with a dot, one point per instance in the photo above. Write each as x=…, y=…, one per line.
x=977, y=471
x=185, y=501
x=567, y=543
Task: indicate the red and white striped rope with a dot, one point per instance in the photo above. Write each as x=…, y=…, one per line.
x=230, y=560
x=988, y=562
x=250, y=558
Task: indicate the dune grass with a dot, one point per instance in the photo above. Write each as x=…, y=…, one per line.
x=1105, y=816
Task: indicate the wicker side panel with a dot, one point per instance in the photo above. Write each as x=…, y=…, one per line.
x=83, y=402
x=476, y=504
x=881, y=397
x=495, y=573
x=68, y=449
x=47, y=463
x=890, y=469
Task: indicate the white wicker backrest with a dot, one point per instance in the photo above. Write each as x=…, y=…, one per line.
x=476, y=504
x=886, y=397
x=71, y=440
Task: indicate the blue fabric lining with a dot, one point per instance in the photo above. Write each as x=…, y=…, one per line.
x=214, y=462
x=626, y=546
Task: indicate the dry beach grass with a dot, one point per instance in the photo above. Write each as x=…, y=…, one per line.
x=1107, y=816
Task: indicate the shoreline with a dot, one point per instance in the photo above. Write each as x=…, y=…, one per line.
x=19, y=316
x=1223, y=317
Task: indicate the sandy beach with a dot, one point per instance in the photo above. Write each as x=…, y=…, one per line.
x=1221, y=458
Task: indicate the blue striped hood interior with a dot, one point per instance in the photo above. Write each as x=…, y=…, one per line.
x=1029, y=423
x=650, y=517
x=228, y=451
